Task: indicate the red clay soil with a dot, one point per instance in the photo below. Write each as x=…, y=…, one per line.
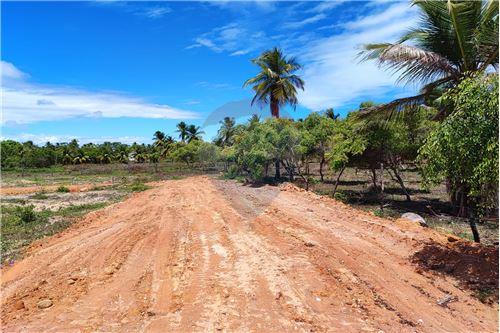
x=474, y=266
x=4, y=191
x=202, y=254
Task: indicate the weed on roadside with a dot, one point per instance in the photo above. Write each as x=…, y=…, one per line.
x=62, y=189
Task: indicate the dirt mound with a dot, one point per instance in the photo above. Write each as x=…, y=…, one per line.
x=193, y=255
x=474, y=265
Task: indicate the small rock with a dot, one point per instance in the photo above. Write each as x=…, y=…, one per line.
x=109, y=270
x=150, y=313
x=446, y=299
x=415, y=218
x=71, y=281
x=19, y=305
x=44, y=304
x=452, y=239
x=309, y=244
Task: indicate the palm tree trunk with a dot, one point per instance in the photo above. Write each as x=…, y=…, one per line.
x=275, y=109
x=275, y=112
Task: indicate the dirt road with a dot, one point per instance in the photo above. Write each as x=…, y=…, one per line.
x=201, y=254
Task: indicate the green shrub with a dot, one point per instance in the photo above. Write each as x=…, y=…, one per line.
x=62, y=189
x=340, y=197
x=138, y=187
x=26, y=214
x=232, y=172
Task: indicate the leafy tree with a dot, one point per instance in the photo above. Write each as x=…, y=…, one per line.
x=463, y=150
x=208, y=153
x=186, y=152
x=274, y=139
x=316, y=131
x=452, y=38
x=345, y=145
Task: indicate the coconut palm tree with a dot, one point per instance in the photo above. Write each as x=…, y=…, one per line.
x=194, y=133
x=329, y=113
x=159, y=139
x=453, y=38
x=275, y=84
x=182, y=129
x=225, y=135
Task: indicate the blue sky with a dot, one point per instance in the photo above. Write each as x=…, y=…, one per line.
x=106, y=71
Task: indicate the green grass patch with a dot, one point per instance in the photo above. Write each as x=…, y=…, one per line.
x=21, y=225
x=78, y=210
x=137, y=187
x=62, y=189
x=39, y=196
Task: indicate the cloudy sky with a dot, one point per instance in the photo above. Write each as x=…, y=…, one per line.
x=107, y=70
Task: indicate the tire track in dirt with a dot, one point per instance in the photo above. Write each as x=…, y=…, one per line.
x=202, y=254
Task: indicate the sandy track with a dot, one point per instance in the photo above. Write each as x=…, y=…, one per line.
x=209, y=255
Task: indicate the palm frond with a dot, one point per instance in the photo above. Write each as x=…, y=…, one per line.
x=411, y=62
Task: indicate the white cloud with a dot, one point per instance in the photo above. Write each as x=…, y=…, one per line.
x=304, y=22
x=395, y=12
x=153, y=12
x=325, y=6
x=232, y=38
x=24, y=102
x=332, y=71
x=41, y=139
x=214, y=85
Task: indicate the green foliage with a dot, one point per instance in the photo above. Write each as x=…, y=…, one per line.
x=185, y=152
x=26, y=214
x=340, y=196
x=62, y=189
x=138, y=187
x=451, y=39
x=261, y=145
x=232, y=172
x=316, y=131
x=464, y=148
x=345, y=143
x=208, y=153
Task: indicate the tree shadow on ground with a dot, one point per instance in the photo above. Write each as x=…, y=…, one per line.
x=474, y=266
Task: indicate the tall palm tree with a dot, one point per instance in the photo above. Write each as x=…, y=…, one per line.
x=453, y=38
x=159, y=138
x=182, y=129
x=194, y=133
x=275, y=84
x=226, y=132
